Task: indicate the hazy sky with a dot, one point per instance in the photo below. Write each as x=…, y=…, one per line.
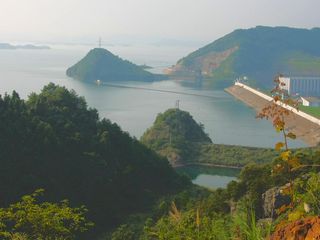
x=192, y=20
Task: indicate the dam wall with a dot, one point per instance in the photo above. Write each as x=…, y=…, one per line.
x=304, y=126
x=268, y=98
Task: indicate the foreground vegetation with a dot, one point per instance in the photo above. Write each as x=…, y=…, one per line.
x=53, y=141
x=236, y=212
x=29, y=219
x=118, y=189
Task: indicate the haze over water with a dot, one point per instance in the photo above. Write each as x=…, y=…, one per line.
x=226, y=120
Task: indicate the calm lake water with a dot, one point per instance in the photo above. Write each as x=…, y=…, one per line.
x=226, y=120
x=210, y=177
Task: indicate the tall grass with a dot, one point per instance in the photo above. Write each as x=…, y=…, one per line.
x=246, y=227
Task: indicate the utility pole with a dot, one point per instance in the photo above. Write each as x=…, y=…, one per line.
x=99, y=42
x=177, y=104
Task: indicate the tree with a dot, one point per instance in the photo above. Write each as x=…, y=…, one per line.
x=303, y=191
x=54, y=141
x=29, y=219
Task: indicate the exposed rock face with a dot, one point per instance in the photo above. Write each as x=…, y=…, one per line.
x=272, y=200
x=303, y=229
x=258, y=53
x=203, y=64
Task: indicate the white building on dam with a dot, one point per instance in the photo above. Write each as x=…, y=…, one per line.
x=301, y=86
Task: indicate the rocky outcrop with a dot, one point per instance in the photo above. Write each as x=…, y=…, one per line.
x=303, y=229
x=272, y=200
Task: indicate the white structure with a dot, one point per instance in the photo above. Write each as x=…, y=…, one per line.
x=302, y=86
x=268, y=98
x=310, y=101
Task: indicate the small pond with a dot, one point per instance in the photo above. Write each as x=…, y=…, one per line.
x=210, y=177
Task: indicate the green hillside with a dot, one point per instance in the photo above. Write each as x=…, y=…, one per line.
x=100, y=64
x=176, y=135
x=258, y=53
x=55, y=142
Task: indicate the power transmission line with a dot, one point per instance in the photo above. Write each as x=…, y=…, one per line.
x=100, y=42
x=177, y=104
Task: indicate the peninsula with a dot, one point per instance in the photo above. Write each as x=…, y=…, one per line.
x=258, y=53
x=178, y=137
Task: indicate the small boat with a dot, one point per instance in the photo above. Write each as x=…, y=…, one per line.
x=98, y=82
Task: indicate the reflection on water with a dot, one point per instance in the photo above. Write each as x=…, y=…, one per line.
x=210, y=177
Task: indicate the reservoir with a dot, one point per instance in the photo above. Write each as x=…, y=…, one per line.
x=226, y=120
x=135, y=106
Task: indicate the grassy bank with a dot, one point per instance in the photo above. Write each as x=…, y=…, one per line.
x=313, y=111
x=230, y=155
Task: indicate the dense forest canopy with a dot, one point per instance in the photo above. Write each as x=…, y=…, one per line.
x=54, y=141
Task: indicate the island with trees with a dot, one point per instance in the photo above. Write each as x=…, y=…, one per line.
x=100, y=64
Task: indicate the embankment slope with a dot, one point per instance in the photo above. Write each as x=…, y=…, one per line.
x=303, y=128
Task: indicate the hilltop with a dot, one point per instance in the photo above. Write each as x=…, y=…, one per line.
x=100, y=64
x=178, y=137
x=258, y=53
x=174, y=134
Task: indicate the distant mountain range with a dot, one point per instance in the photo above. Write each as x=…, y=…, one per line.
x=258, y=54
x=26, y=46
x=100, y=64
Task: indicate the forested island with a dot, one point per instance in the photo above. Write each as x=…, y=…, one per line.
x=53, y=147
x=100, y=64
